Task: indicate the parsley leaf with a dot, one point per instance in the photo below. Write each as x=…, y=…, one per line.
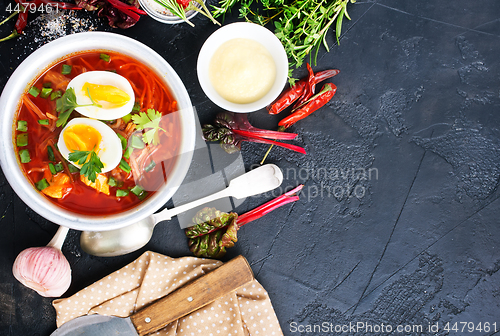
x=150, y=120
x=67, y=103
x=91, y=166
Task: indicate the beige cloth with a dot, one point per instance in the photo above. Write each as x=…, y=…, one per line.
x=247, y=311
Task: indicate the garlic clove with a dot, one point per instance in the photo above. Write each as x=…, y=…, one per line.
x=43, y=269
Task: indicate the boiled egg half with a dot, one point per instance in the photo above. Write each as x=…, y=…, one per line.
x=111, y=91
x=83, y=134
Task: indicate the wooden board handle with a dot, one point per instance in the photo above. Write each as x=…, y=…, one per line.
x=193, y=296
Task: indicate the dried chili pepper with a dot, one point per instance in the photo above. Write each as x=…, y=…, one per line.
x=308, y=88
x=22, y=21
x=314, y=103
x=289, y=96
x=215, y=231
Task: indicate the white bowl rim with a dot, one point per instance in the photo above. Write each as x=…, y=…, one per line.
x=254, y=32
x=31, y=68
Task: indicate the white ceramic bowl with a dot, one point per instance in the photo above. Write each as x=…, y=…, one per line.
x=249, y=31
x=161, y=14
x=38, y=62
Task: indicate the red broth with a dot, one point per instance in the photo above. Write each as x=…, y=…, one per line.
x=150, y=92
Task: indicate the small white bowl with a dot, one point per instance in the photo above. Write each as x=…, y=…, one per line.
x=161, y=14
x=250, y=31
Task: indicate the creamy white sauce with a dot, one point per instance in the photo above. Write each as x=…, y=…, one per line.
x=242, y=71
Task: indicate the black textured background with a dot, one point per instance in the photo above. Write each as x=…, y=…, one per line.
x=415, y=242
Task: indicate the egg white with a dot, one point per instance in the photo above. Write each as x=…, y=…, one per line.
x=110, y=148
x=101, y=78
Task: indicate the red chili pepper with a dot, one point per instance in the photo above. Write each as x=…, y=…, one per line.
x=317, y=101
x=308, y=89
x=22, y=21
x=289, y=96
x=184, y=3
x=325, y=74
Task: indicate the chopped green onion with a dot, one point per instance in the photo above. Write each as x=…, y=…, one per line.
x=34, y=91
x=55, y=95
x=124, y=166
x=59, y=167
x=45, y=92
x=50, y=153
x=66, y=69
x=150, y=166
x=137, y=107
x=42, y=184
x=127, y=118
x=24, y=155
x=22, y=125
x=105, y=57
x=128, y=152
x=112, y=70
x=112, y=182
x=52, y=168
x=121, y=193
x=47, y=84
x=139, y=192
x=22, y=139
x=123, y=140
x=43, y=121
x=136, y=142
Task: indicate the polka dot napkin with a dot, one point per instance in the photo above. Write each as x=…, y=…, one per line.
x=246, y=311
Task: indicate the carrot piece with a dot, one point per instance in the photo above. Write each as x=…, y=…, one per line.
x=87, y=64
x=58, y=80
x=33, y=108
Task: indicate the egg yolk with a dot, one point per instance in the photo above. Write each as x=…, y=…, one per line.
x=110, y=95
x=82, y=138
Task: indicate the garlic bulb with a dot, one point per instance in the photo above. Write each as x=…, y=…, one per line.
x=45, y=269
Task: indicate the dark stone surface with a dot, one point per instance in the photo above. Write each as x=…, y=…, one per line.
x=414, y=241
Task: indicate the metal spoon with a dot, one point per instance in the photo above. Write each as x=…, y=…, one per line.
x=133, y=237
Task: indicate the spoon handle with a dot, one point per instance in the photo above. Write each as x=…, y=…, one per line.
x=169, y=213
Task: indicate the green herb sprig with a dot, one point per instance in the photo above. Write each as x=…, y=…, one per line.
x=150, y=120
x=300, y=25
x=67, y=103
x=90, y=166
